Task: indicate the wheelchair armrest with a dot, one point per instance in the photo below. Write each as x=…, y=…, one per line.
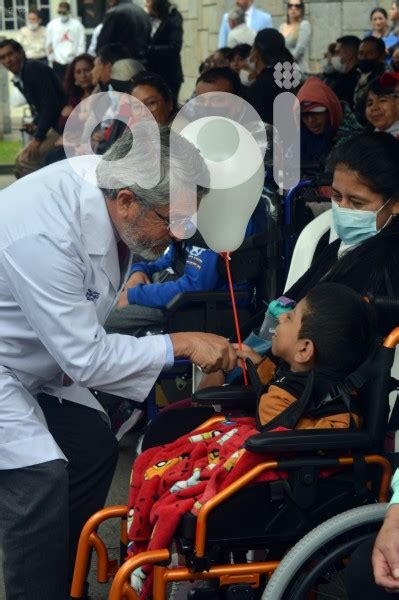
x=228, y=396
x=308, y=440
x=186, y=298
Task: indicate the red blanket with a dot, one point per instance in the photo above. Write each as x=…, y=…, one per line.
x=169, y=481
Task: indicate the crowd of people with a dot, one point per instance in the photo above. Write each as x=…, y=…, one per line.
x=81, y=269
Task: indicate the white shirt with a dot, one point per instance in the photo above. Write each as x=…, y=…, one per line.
x=59, y=278
x=242, y=34
x=33, y=41
x=67, y=40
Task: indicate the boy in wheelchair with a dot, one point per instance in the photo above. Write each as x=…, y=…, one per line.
x=322, y=341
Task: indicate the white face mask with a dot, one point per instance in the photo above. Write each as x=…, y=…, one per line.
x=251, y=64
x=32, y=26
x=337, y=64
x=244, y=76
x=64, y=18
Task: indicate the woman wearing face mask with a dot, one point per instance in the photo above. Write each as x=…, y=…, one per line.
x=365, y=207
x=268, y=49
x=382, y=106
x=297, y=31
x=32, y=37
x=325, y=121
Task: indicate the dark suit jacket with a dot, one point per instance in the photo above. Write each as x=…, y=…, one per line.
x=126, y=24
x=44, y=94
x=164, y=51
x=261, y=94
x=345, y=84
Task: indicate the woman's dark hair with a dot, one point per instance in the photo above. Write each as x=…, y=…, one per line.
x=379, y=10
x=154, y=80
x=375, y=158
x=161, y=8
x=378, y=43
x=270, y=45
x=241, y=50
x=341, y=325
x=302, y=8
x=34, y=11
x=380, y=90
x=69, y=80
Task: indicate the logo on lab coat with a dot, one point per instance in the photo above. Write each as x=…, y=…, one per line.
x=92, y=296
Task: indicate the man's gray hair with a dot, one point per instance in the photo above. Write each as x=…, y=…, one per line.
x=237, y=14
x=179, y=157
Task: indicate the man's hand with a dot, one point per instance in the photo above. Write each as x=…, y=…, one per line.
x=122, y=300
x=247, y=352
x=32, y=149
x=208, y=351
x=385, y=558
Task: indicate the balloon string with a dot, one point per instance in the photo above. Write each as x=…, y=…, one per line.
x=226, y=256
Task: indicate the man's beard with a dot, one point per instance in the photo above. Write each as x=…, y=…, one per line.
x=148, y=249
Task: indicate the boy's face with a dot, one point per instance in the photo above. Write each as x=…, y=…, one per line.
x=286, y=343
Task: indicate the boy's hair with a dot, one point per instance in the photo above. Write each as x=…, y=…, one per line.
x=341, y=325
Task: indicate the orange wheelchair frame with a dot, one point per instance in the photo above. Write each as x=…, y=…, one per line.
x=249, y=574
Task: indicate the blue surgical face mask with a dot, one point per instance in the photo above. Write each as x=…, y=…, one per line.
x=355, y=226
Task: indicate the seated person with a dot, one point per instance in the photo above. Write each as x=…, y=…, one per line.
x=382, y=107
x=330, y=333
x=238, y=58
x=186, y=266
x=77, y=86
x=371, y=63
x=345, y=61
x=325, y=122
x=365, y=256
x=43, y=92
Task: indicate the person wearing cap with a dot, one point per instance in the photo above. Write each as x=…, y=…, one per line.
x=268, y=49
x=255, y=19
x=382, y=105
x=325, y=122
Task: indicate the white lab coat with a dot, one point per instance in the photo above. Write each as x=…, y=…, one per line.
x=59, y=279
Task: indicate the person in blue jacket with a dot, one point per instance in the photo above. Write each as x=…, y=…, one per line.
x=255, y=19
x=186, y=266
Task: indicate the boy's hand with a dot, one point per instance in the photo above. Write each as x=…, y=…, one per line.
x=246, y=352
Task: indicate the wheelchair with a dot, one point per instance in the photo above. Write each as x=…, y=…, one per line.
x=267, y=517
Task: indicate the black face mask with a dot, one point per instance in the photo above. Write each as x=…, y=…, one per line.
x=367, y=65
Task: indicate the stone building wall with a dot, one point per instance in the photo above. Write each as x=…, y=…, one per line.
x=329, y=20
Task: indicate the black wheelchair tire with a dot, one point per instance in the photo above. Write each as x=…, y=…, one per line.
x=320, y=550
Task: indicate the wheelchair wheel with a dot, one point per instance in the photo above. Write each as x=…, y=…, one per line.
x=313, y=567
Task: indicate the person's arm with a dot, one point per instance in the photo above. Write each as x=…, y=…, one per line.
x=200, y=274
x=49, y=41
x=302, y=41
x=273, y=403
x=223, y=32
x=175, y=42
x=53, y=301
x=385, y=558
x=154, y=266
x=44, y=85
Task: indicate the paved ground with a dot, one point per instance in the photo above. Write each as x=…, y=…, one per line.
x=6, y=180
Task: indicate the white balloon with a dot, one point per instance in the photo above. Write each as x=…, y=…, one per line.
x=235, y=163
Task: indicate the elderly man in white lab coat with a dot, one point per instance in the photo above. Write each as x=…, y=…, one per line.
x=63, y=260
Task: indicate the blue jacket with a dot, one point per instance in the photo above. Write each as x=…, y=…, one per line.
x=259, y=20
x=200, y=272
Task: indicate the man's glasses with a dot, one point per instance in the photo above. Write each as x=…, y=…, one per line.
x=185, y=224
x=295, y=5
